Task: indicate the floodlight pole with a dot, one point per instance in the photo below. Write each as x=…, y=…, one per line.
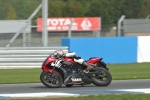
x=44, y=27
x=119, y=24
x=69, y=30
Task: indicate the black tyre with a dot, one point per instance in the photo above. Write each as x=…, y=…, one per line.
x=51, y=80
x=69, y=85
x=104, y=78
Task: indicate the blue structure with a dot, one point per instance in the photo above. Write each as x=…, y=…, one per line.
x=111, y=49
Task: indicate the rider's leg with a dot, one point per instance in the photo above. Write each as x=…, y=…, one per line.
x=84, y=63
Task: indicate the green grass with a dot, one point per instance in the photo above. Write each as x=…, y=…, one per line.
x=19, y=76
x=130, y=71
x=97, y=97
x=118, y=72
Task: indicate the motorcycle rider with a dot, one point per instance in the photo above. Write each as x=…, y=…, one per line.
x=60, y=54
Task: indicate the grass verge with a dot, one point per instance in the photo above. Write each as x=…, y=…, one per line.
x=118, y=72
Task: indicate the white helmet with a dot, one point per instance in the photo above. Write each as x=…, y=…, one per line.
x=58, y=53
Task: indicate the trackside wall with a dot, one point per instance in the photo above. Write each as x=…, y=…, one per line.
x=111, y=49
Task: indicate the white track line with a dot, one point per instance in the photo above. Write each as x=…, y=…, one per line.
x=147, y=90
x=43, y=94
x=48, y=94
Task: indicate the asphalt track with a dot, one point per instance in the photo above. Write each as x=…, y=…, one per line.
x=77, y=89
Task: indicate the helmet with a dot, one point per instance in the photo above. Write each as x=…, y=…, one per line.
x=58, y=53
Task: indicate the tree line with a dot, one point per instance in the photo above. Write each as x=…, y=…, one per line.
x=109, y=10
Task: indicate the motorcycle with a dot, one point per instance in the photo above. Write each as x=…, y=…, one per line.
x=71, y=73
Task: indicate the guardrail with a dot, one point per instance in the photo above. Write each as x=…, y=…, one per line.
x=25, y=57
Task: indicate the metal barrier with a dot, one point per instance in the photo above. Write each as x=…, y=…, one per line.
x=25, y=57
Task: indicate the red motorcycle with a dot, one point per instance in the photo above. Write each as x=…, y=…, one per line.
x=71, y=73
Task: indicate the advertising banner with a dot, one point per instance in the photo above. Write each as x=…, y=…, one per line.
x=77, y=24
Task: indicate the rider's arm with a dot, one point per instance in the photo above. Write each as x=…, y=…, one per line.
x=70, y=54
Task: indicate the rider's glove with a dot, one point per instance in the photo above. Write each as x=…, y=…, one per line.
x=64, y=55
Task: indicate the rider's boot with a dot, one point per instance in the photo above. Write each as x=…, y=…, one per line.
x=88, y=66
x=84, y=63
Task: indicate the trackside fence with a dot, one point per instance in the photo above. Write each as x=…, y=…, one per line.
x=25, y=57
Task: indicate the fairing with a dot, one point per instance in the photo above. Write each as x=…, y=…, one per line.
x=47, y=61
x=94, y=60
x=69, y=59
x=50, y=59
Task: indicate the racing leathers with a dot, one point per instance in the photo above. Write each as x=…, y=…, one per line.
x=78, y=60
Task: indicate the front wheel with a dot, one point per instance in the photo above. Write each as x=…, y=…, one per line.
x=51, y=80
x=103, y=78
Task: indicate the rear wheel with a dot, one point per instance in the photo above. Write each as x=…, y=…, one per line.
x=51, y=80
x=103, y=78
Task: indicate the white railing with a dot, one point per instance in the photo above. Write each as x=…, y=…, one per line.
x=25, y=57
